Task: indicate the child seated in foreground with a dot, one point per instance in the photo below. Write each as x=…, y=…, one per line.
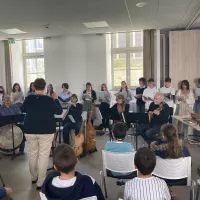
x=118, y=145
x=67, y=183
x=170, y=146
x=145, y=186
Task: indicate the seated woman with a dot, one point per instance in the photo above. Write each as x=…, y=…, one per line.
x=119, y=112
x=8, y=109
x=170, y=146
x=76, y=112
x=31, y=89
x=2, y=93
x=17, y=96
x=65, y=96
x=50, y=91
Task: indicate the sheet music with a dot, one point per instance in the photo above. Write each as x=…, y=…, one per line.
x=63, y=115
x=87, y=97
x=101, y=94
x=71, y=118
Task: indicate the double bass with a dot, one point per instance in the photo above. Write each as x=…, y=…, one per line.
x=90, y=132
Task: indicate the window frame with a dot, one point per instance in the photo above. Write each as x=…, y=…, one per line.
x=26, y=56
x=128, y=50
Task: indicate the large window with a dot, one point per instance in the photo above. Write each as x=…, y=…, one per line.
x=33, y=60
x=127, y=58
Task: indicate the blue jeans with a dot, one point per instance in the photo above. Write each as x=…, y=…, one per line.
x=197, y=110
x=149, y=132
x=68, y=127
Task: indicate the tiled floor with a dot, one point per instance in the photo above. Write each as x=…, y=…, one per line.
x=16, y=174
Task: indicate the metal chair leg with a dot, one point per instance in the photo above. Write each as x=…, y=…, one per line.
x=105, y=188
x=198, y=190
x=192, y=195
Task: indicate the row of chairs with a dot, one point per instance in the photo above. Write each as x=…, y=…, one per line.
x=176, y=172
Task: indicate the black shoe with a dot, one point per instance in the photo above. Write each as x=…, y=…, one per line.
x=38, y=188
x=33, y=182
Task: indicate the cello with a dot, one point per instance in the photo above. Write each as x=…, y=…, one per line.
x=79, y=142
x=90, y=132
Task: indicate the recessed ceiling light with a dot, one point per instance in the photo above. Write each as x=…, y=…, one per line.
x=99, y=24
x=12, y=31
x=141, y=4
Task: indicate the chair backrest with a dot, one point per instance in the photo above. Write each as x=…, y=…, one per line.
x=173, y=169
x=118, y=162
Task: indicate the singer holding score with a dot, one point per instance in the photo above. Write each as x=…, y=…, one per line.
x=74, y=118
x=149, y=93
x=185, y=101
x=139, y=92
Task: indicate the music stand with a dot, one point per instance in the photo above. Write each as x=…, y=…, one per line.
x=12, y=119
x=137, y=119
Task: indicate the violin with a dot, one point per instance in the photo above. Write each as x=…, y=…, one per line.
x=151, y=113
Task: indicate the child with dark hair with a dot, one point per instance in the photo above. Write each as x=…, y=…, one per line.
x=67, y=183
x=118, y=145
x=139, y=92
x=145, y=186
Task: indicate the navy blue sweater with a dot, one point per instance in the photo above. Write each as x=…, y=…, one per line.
x=40, y=110
x=83, y=187
x=140, y=90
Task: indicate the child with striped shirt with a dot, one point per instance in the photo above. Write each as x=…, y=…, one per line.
x=145, y=186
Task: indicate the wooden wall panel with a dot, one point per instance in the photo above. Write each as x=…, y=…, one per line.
x=184, y=56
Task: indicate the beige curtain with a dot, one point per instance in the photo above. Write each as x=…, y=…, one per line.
x=8, y=66
x=148, y=53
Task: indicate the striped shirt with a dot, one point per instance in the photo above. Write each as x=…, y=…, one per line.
x=151, y=188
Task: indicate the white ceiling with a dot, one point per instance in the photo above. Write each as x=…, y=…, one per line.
x=67, y=16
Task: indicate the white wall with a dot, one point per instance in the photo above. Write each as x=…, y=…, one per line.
x=17, y=64
x=75, y=60
x=2, y=65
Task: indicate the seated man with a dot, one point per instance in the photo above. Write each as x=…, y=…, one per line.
x=158, y=115
x=118, y=145
x=8, y=109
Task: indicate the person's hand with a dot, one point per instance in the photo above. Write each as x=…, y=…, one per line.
x=156, y=112
x=8, y=191
x=55, y=96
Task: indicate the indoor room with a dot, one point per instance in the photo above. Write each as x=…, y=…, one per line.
x=99, y=99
